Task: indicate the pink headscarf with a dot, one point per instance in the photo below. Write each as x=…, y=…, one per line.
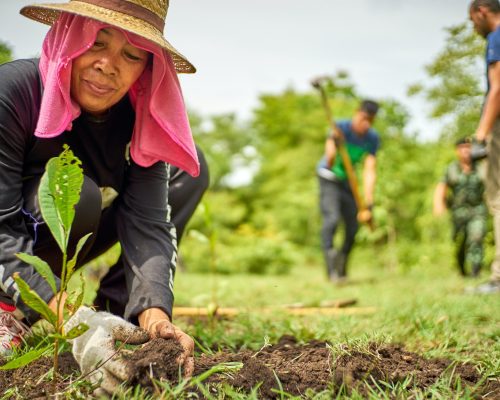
x=161, y=130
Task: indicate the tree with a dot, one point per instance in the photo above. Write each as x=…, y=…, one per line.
x=456, y=93
x=226, y=144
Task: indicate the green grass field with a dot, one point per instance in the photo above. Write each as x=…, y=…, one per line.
x=426, y=309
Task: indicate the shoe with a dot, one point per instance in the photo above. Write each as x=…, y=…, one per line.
x=339, y=268
x=11, y=329
x=341, y=262
x=476, y=270
x=330, y=256
x=487, y=288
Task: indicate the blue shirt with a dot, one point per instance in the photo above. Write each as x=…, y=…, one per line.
x=492, y=51
x=358, y=146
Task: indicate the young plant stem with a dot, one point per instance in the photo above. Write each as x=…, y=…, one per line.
x=58, y=327
x=56, y=366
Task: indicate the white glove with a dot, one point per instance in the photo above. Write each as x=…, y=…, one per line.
x=95, y=350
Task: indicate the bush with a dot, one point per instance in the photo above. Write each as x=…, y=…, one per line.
x=239, y=254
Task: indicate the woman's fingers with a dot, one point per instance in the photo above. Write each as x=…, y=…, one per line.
x=188, y=367
x=165, y=329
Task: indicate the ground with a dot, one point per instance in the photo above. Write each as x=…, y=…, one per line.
x=298, y=369
x=425, y=337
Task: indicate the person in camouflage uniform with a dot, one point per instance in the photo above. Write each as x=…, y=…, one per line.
x=462, y=192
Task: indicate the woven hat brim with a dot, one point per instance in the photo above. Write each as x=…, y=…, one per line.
x=48, y=13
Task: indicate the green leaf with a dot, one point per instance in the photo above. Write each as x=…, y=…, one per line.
x=26, y=358
x=49, y=210
x=75, y=299
x=76, y=331
x=79, y=299
x=34, y=301
x=59, y=192
x=41, y=267
x=71, y=263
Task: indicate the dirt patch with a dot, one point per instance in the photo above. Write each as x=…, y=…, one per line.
x=287, y=366
x=31, y=381
x=392, y=364
x=294, y=367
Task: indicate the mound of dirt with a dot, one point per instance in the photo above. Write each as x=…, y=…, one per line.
x=287, y=366
x=296, y=368
x=392, y=364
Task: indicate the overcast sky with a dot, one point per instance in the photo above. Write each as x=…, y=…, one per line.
x=244, y=48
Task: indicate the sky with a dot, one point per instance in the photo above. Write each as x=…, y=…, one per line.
x=245, y=48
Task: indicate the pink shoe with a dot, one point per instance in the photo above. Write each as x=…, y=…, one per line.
x=12, y=330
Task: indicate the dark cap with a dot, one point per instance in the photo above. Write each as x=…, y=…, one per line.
x=370, y=107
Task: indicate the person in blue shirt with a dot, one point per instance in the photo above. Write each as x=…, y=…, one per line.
x=485, y=16
x=336, y=199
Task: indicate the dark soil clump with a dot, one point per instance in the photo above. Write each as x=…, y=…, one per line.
x=156, y=360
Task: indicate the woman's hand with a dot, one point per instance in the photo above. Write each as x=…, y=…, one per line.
x=157, y=323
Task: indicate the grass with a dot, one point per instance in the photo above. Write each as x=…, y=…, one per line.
x=425, y=308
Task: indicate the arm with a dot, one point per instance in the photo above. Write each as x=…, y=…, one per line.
x=369, y=178
x=148, y=239
x=330, y=152
x=439, y=201
x=491, y=109
x=149, y=251
x=18, y=105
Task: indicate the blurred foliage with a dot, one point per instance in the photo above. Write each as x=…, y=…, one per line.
x=269, y=221
x=457, y=81
x=5, y=53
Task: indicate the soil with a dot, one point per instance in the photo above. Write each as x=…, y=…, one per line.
x=287, y=366
x=31, y=380
x=155, y=360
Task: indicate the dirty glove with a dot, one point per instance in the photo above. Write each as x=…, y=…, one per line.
x=95, y=350
x=478, y=150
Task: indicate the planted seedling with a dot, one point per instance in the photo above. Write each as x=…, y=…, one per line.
x=58, y=194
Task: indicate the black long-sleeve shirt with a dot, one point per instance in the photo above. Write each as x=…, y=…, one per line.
x=146, y=235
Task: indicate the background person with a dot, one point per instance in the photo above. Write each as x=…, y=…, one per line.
x=336, y=199
x=462, y=192
x=106, y=85
x=485, y=16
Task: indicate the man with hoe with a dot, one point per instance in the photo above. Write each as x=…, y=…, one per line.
x=337, y=197
x=485, y=16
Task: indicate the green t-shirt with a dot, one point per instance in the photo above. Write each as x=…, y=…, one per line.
x=357, y=146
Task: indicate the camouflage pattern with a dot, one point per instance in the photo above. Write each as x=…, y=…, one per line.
x=469, y=215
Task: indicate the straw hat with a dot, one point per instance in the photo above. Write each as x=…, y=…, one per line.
x=145, y=18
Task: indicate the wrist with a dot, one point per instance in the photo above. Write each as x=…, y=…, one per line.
x=481, y=136
x=150, y=317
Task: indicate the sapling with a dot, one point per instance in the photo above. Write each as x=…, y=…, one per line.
x=58, y=194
